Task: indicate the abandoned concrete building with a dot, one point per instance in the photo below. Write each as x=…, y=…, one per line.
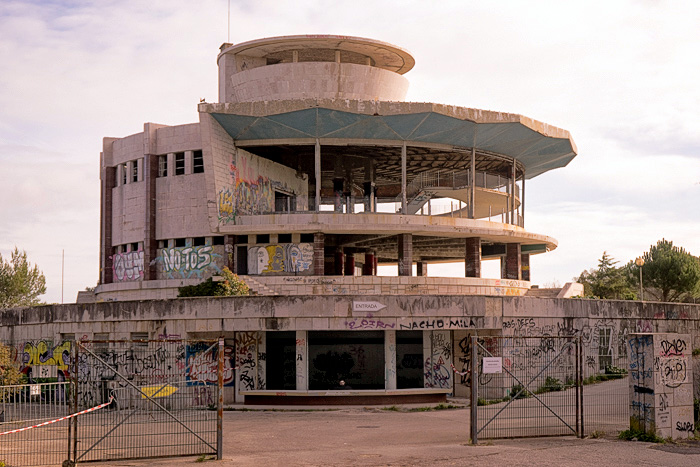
x=309, y=173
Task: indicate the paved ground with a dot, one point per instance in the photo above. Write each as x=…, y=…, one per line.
x=376, y=437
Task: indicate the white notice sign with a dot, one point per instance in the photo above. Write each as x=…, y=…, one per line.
x=34, y=390
x=493, y=365
x=367, y=306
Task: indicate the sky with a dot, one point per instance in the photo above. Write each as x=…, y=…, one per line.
x=622, y=76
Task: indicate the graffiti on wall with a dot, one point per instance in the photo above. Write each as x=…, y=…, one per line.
x=247, y=359
x=247, y=194
x=438, y=372
x=203, y=363
x=43, y=352
x=283, y=258
x=189, y=261
x=128, y=266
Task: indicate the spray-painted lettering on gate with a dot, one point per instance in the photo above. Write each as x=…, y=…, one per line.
x=203, y=364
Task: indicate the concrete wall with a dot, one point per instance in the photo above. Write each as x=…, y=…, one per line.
x=316, y=79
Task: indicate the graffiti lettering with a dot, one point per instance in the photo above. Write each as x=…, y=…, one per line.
x=128, y=266
x=674, y=347
x=185, y=262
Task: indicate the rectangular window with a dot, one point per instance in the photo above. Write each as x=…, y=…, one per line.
x=125, y=173
x=197, y=162
x=283, y=202
x=262, y=238
x=218, y=240
x=180, y=163
x=355, y=357
x=180, y=242
x=198, y=241
x=163, y=166
x=306, y=238
x=135, y=171
x=284, y=238
x=135, y=246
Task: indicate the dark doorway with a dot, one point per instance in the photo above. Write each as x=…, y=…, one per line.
x=356, y=357
x=280, y=360
x=409, y=359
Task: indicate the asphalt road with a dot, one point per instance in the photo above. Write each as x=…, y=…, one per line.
x=376, y=437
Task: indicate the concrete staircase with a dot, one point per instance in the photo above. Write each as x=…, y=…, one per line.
x=256, y=287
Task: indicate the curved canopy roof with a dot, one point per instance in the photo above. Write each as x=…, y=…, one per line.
x=538, y=146
x=385, y=55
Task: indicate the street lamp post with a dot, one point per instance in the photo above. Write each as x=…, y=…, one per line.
x=640, y=262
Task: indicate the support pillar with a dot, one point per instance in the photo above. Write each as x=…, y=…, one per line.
x=525, y=266
x=472, y=257
x=390, y=359
x=108, y=182
x=512, y=261
x=472, y=182
x=405, y=242
x=317, y=174
x=368, y=267
x=421, y=269
x=349, y=264
x=230, y=249
x=150, y=245
x=302, y=355
x=319, y=253
x=369, y=186
x=338, y=262
x=404, y=201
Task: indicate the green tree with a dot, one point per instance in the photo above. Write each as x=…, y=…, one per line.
x=607, y=281
x=9, y=369
x=229, y=286
x=21, y=283
x=669, y=274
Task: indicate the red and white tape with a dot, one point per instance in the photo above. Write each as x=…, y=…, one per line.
x=460, y=373
x=92, y=409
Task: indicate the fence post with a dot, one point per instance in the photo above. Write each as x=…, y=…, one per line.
x=474, y=390
x=220, y=406
x=75, y=400
x=576, y=379
x=580, y=378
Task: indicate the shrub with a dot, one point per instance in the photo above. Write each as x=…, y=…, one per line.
x=230, y=285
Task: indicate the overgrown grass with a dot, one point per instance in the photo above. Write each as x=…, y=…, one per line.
x=395, y=408
x=639, y=435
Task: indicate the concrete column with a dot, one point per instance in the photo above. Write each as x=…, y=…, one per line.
x=472, y=257
x=404, y=202
x=230, y=249
x=661, y=384
x=405, y=242
x=107, y=183
x=421, y=268
x=369, y=186
x=319, y=258
x=338, y=194
x=522, y=200
x=472, y=182
x=150, y=244
x=189, y=162
x=390, y=359
x=512, y=261
x=350, y=265
x=317, y=174
x=302, y=352
x=525, y=266
x=513, y=219
x=171, y=164
x=338, y=262
x=368, y=267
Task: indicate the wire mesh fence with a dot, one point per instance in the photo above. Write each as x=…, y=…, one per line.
x=163, y=399
x=25, y=406
x=527, y=387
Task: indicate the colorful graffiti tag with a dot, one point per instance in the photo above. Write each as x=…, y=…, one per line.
x=185, y=262
x=202, y=364
x=128, y=266
x=289, y=257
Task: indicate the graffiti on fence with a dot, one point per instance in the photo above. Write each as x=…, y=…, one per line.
x=203, y=364
x=128, y=266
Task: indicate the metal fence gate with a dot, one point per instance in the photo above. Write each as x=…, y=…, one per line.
x=165, y=398
x=119, y=400
x=534, y=386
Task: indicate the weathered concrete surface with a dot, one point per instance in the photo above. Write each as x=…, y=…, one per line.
x=370, y=437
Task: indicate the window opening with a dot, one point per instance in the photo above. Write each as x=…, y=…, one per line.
x=180, y=242
x=163, y=166
x=180, y=163
x=135, y=171
x=284, y=238
x=356, y=357
x=198, y=241
x=262, y=238
x=281, y=360
x=197, y=162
